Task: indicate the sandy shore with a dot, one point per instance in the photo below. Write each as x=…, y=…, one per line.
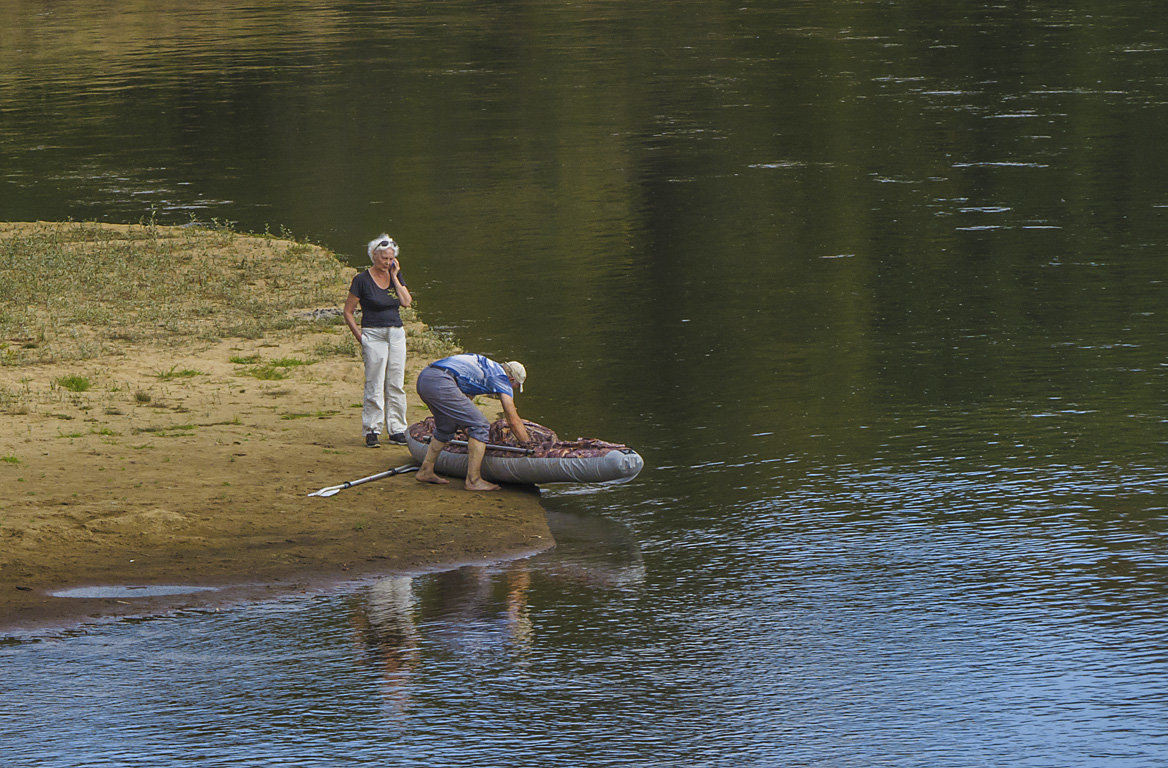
x=150, y=478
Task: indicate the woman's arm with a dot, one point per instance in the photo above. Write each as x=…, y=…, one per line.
x=403, y=293
x=350, y=306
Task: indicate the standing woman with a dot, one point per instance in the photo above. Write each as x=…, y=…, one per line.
x=380, y=291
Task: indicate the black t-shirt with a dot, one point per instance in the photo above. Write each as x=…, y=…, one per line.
x=379, y=306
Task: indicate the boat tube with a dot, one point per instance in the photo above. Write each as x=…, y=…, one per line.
x=552, y=460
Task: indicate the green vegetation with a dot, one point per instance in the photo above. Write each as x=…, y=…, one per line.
x=73, y=383
x=9, y=459
x=173, y=430
x=14, y=400
x=201, y=284
x=173, y=374
x=267, y=372
x=341, y=346
x=272, y=370
x=313, y=415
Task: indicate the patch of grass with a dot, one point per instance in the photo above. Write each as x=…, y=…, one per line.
x=10, y=459
x=267, y=372
x=170, y=431
x=345, y=346
x=204, y=282
x=174, y=373
x=73, y=383
x=313, y=415
x=273, y=370
x=15, y=400
x=164, y=431
x=142, y=397
x=244, y=359
x=432, y=344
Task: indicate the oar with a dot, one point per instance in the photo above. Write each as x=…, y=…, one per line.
x=333, y=490
x=493, y=447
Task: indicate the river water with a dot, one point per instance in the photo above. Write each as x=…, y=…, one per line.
x=876, y=288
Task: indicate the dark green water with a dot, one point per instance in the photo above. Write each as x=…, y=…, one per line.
x=875, y=287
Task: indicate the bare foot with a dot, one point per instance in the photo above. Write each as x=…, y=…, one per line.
x=430, y=477
x=481, y=485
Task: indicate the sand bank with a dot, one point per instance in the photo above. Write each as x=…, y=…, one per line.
x=185, y=456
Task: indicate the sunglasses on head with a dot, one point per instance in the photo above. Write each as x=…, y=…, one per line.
x=387, y=243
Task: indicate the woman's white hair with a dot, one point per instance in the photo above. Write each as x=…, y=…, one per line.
x=382, y=241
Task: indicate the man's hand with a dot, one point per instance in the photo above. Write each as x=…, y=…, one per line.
x=512, y=416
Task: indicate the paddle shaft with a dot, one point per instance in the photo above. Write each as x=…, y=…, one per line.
x=332, y=490
x=493, y=447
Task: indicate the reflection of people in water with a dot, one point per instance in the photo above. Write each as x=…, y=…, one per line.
x=459, y=607
x=401, y=616
x=518, y=618
x=475, y=610
x=386, y=627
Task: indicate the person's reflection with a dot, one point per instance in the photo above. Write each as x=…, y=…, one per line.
x=456, y=609
x=390, y=637
x=518, y=578
x=478, y=601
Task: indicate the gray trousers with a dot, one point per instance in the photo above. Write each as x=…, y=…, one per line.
x=450, y=407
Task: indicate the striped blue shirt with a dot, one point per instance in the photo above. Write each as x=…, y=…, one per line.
x=477, y=375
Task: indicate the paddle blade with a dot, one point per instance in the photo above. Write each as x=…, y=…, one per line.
x=333, y=490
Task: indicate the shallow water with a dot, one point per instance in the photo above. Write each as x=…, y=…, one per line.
x=875, y=289
x=131, y=591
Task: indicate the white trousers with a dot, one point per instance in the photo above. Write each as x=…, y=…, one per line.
x=384, y=351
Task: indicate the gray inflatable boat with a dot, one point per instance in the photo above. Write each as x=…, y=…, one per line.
x=584, y=460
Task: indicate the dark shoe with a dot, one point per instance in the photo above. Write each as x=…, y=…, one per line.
x=398, y=438
x=371, y=440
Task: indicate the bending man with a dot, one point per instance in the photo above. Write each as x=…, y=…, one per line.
x=447, y=386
